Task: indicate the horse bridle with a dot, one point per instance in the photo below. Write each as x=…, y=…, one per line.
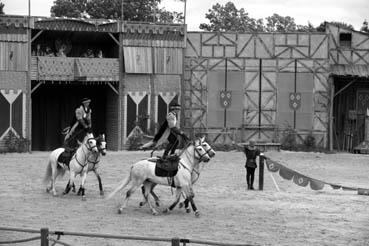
x=198, y=158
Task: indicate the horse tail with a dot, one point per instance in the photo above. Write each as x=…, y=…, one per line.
x=48, y=173
x=122, y=184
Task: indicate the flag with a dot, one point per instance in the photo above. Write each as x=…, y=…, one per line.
x=303, y=180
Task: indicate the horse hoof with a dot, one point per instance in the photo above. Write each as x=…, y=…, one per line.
x=101, y=193
x=157, y=204
x=120, y=210
x=188, y=210
x=84, y=198
x=154, y=212
x=197, y=214
x=180, y=205
x=166, y=210
x=141, y=204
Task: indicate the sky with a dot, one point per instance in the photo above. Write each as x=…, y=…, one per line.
x=353, y=12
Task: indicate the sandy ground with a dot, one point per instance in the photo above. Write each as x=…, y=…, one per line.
x=229, y=212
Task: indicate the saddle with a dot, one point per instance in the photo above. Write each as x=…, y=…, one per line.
x=66, y=156
x=167, y=166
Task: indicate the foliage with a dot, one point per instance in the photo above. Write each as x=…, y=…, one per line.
x=278, y=23
x=144, y=10
x=309, y=141
x=229, y=18
x=16, y=144
x=1, y=8
x=288, y=141
x=365, y=28
x=321, y=27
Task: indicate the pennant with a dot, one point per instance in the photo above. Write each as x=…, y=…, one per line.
x=286, y=173
x=272, y=165
x=336, y=187
x=301, y=180
x=304, y=181
x=316, y=184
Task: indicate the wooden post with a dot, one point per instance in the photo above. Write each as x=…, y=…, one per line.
x=44, y=237
x=261, y=172
x=175, y=241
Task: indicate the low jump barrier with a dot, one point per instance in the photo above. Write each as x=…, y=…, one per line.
x=46, y=239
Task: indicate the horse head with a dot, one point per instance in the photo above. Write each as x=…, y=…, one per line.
x=90, y=142
x=200, y=153
x=209, y=150
x=101, y=144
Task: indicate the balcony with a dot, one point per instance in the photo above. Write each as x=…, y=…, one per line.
x=74, y=69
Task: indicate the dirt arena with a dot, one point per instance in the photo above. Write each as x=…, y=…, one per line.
x=229, y=213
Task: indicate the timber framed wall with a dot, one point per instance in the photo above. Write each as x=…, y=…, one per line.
x=261, y=71
x=14, y=91
x=349, y=69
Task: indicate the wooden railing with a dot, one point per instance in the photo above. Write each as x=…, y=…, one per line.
x=74, y=68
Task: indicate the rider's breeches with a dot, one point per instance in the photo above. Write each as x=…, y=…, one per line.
x=250, y=174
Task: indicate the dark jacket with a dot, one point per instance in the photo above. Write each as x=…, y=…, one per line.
x=251, y=155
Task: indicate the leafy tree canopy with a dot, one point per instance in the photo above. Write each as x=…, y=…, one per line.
x=228, y=18
x=1, y=8
x=143, y=10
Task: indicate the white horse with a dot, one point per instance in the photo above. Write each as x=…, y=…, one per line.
x=194, y=177
x=144, y=170
x=93, y=162
x=77, y=165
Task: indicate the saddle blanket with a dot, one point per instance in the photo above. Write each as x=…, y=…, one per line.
x=167, y=167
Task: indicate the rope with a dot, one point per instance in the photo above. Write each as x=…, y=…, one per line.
x=58, y=242
x=58, y=233
x=21, y=240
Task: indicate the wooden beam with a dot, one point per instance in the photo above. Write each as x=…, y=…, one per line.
x=115, y=40
x=113, y=88
x=35, y=88
x=36, y=36
x=344, y=88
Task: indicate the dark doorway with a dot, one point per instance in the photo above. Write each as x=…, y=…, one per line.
x=53, y=106
x=349, y=109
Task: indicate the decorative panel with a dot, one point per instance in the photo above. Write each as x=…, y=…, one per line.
x=168, y=60
x=97, y=69
x=138, y=60
x=56, y=68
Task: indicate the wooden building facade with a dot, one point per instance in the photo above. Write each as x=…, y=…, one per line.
x=232, y=86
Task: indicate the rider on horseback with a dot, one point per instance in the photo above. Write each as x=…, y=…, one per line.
x=169, y=131
x=81, y=125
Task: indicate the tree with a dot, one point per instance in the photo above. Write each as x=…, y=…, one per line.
x=143, y=10
x=1, y=8
x=365, y=28
x=321, y=27
x=278, y=23
x=229, y=18
x=68, y=8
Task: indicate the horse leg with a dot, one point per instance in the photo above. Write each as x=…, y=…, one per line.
x=83, y=180
x=70, y=182
x=99, y=180
x=67, y=188
x=156, y=198
x=147, y=188
x=151, y=189
x=176, y=201
x=132, y=188
x=185, y=204
x=190, y=197
x=54, y=174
